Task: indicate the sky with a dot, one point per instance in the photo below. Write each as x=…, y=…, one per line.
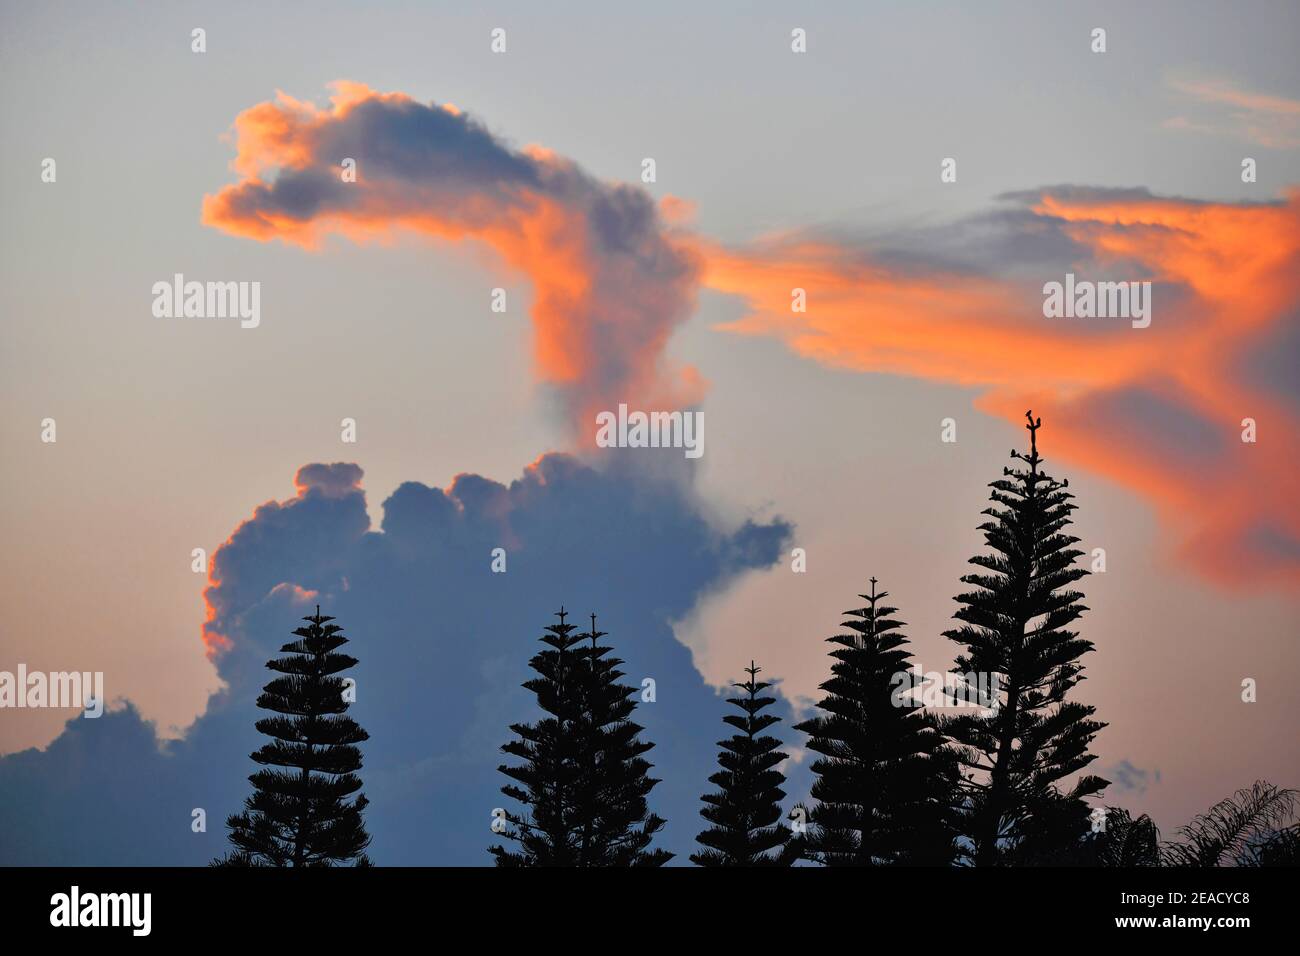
x=522, y=171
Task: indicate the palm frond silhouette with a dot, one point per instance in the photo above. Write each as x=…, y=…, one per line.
x=1247, y=829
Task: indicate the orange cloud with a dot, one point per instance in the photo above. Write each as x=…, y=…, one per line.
x=611, y=278
x=1157, y=409
x=328, y=504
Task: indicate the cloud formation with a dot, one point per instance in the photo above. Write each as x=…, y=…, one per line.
x=1127, y=778
x=443, y=644
x=1260, y=118
x=1159, y=410
x=611, y=277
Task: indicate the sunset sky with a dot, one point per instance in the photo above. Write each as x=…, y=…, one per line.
x=522, y=171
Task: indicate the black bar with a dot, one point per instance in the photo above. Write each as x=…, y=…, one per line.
x=206, y=904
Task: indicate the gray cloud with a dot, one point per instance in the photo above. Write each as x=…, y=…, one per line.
x=443, y=645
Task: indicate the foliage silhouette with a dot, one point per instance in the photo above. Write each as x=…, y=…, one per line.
x=885, y=778
x=1015, y=624
x=300, y=816
x=895, y=784
x=583, y=778
x=1125, y=841
x=1247, y=829
x=745, y=810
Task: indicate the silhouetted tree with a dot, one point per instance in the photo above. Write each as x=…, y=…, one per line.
x=619, y=828
x=1247, y=829
x=1281, y=849
x=583, y=777
x=299, y=815
x=1125, y=841
x=745, y=810
x=1253, y=827
x=1015, y=624
x=548, y=778
x=885, y=778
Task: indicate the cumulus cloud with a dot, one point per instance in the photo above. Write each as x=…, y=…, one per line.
x=1158, y=410
x=443, y=644
x=611, y=277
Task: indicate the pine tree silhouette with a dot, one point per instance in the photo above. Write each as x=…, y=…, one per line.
x=548, y=778
x=299, y=816
x=746, y=809
x=620, y=828
x=885, y=779
x=1015, y=625
x=583, y=777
